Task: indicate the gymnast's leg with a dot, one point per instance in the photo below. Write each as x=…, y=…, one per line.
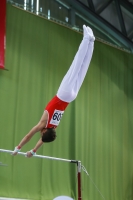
x=72, y=81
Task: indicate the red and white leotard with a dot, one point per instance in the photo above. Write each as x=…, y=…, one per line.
x=55, y=109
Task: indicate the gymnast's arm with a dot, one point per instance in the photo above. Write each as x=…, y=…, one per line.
x=37, y=146
x=34, y=130
x=42, y=123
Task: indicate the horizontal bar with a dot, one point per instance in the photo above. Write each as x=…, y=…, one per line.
x=40, y=156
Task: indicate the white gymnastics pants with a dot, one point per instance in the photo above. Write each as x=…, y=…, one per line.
x=74, y=78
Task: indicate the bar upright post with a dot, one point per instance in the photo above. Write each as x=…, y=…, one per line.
x=79, y=180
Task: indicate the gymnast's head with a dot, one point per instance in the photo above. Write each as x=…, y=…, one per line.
x=48, y=134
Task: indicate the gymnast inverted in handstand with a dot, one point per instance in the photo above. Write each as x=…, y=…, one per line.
x=66, y=93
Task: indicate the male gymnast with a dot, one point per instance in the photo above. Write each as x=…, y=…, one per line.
x=66, y=93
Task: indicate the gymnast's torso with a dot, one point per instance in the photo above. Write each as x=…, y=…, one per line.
x=55, y=109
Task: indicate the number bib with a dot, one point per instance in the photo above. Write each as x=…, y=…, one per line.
x=56, y=117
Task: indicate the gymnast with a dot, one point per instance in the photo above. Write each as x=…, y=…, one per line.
x=66, y=93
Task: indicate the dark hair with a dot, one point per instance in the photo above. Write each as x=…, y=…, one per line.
x=49, y=135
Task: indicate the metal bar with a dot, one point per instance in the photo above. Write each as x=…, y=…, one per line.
x=128, y=6
x=49, y=14
x=103, y=6
x=37, y=7
x=72, y=11
x=25, y=4
x=91, y=5
x=63, y=4
x=40, y=156
x=32, y=5
x=130, y=35
x=120, y=16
